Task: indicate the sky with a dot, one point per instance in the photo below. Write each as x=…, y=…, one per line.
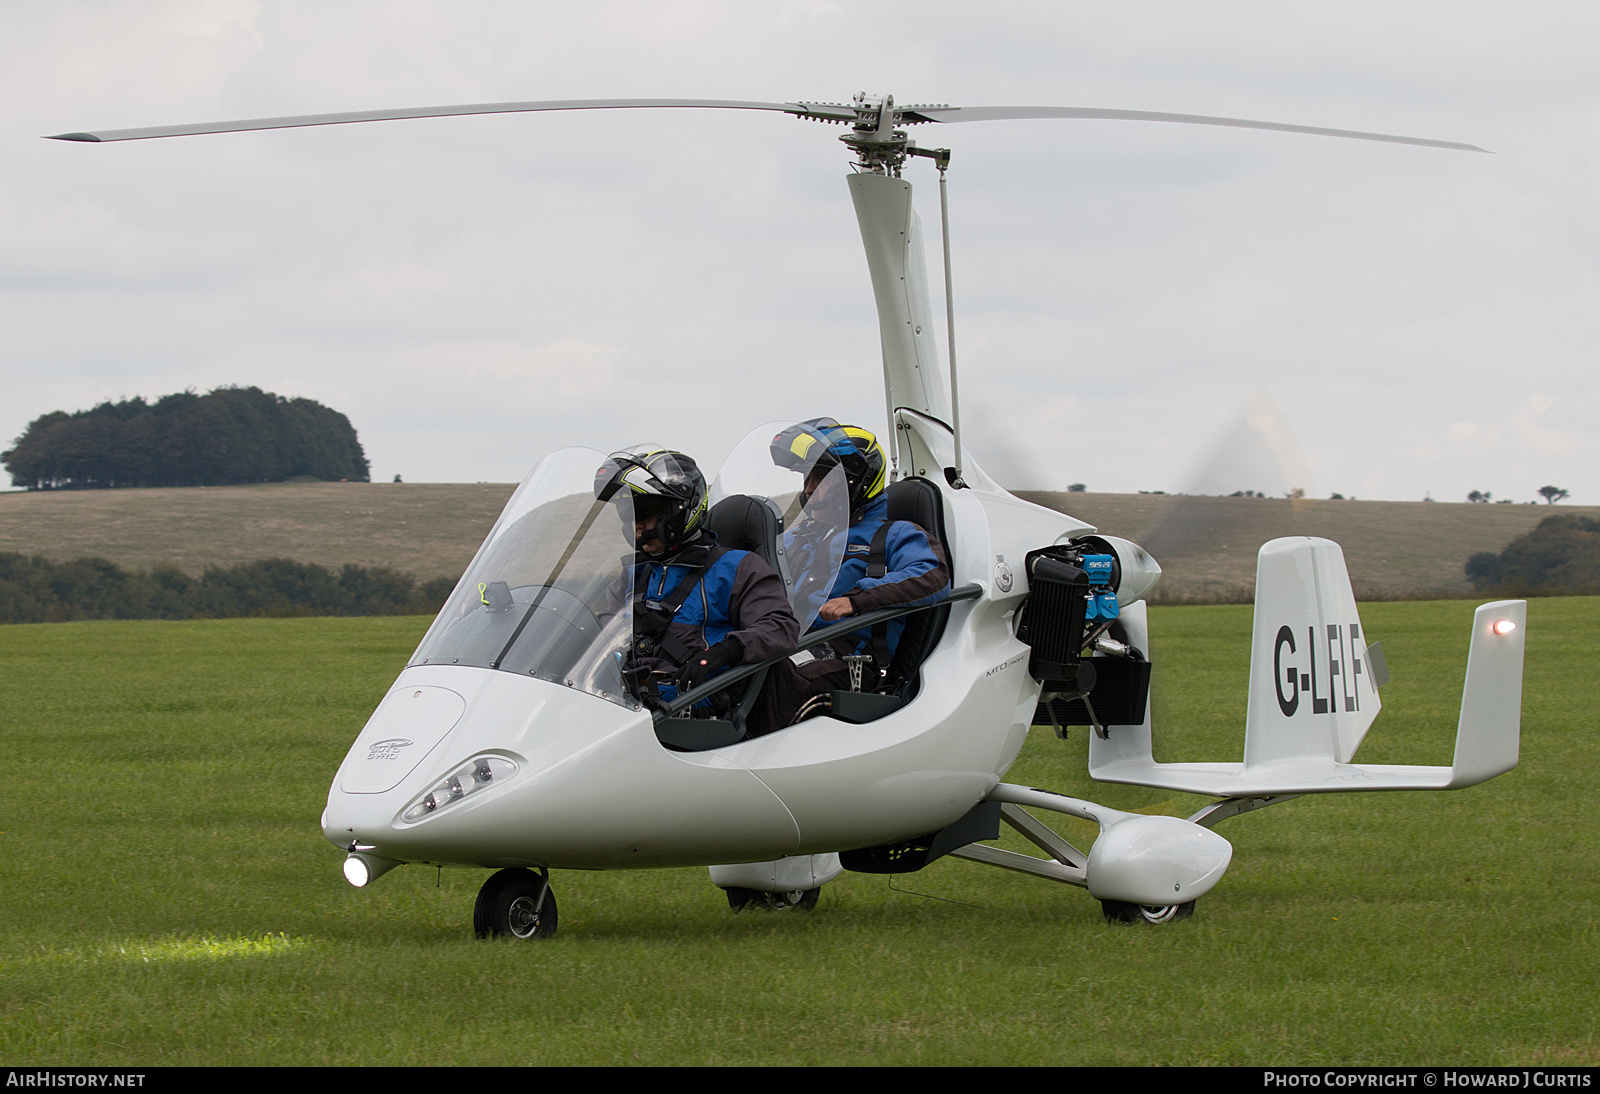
x=475, y=293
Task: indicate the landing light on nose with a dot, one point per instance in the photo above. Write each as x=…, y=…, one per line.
x=362, y=869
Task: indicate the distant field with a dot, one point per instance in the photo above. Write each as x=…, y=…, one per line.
x=167, y=899
x=1206, y=545
x=1394, y=549
x=426, y=529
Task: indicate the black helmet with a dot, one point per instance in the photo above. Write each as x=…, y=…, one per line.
x=821, y=444
x=660, y=483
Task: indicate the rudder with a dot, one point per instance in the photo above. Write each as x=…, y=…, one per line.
x=1311, y=688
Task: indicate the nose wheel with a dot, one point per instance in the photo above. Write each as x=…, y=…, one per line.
x=515, y=904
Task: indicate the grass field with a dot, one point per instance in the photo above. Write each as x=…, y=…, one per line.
x=168, y=899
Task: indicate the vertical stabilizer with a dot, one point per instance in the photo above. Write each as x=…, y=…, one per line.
x=1311, y=689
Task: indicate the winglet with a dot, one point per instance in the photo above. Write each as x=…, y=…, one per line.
x=1490, y=730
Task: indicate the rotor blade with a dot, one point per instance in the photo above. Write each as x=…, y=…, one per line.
x=1023, y=113
x=818, y=111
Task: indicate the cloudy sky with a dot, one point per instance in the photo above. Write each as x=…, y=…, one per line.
x=477, y=292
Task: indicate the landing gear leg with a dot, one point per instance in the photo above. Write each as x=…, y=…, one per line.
x=516, y=904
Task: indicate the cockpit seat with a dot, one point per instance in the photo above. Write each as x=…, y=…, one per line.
x=742, y=522
x=746, y=522
x=920, y=502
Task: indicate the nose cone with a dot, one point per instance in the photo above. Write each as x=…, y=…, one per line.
x=406, y=727
x=421, y=731
x=587, y=786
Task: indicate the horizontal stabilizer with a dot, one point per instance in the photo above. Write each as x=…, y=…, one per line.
x=1313, y=695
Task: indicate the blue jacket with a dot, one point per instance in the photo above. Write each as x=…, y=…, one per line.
x=918, y=572
x=740, y=595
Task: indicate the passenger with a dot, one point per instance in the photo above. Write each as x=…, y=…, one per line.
x=698, y=608
x=884, y=564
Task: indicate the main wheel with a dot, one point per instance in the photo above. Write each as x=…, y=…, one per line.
x=1121, y=911
x=804, y=899
x=740, y=899
x=515, y=903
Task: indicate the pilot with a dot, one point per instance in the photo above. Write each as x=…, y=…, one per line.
x=698, y=608
x=885, y=563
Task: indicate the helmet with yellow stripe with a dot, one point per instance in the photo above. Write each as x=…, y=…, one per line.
x=660, y=483
x=815, y=447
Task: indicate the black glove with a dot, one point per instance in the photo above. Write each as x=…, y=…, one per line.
x=730, y=651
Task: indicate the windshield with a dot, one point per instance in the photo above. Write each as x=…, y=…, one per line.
x=539, y=598
x=548, y=593
x=814, y=530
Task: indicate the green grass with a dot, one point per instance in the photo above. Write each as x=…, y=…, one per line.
x=166, y=897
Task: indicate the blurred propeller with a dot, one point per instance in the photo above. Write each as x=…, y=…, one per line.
x=1246, y=489
x=1237, y=495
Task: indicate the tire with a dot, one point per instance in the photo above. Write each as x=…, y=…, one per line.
x=515, y=904
x=1121, y=911
x=803, y=899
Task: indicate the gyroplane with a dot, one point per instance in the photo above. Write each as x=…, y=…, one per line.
x=518, y=740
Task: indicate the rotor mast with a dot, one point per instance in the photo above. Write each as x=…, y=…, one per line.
x=891, y=233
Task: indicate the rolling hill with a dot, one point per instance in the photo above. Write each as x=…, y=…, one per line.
x=1206, y=545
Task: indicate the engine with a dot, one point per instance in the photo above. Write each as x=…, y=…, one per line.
x=1076, y=592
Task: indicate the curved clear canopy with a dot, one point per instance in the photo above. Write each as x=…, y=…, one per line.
x=816, y=522
x=548, y=593
x=541, y=597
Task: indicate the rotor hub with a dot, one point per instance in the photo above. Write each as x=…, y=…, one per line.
x=879, y=145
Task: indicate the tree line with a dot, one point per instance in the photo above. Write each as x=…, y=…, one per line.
x=1559, y=557
x=229, y=435
x=34, y=589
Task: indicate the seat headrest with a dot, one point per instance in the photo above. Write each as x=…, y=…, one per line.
x=918, y=501
x=746, y=523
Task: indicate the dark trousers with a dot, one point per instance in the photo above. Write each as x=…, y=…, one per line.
x=788, y=687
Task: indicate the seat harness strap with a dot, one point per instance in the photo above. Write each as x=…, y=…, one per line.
x=877, y=566
x=652, y=617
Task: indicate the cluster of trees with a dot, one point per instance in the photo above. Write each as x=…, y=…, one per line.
x=37, y=590
x=1560, y=556
x=1551, y=495
x=231, y=435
